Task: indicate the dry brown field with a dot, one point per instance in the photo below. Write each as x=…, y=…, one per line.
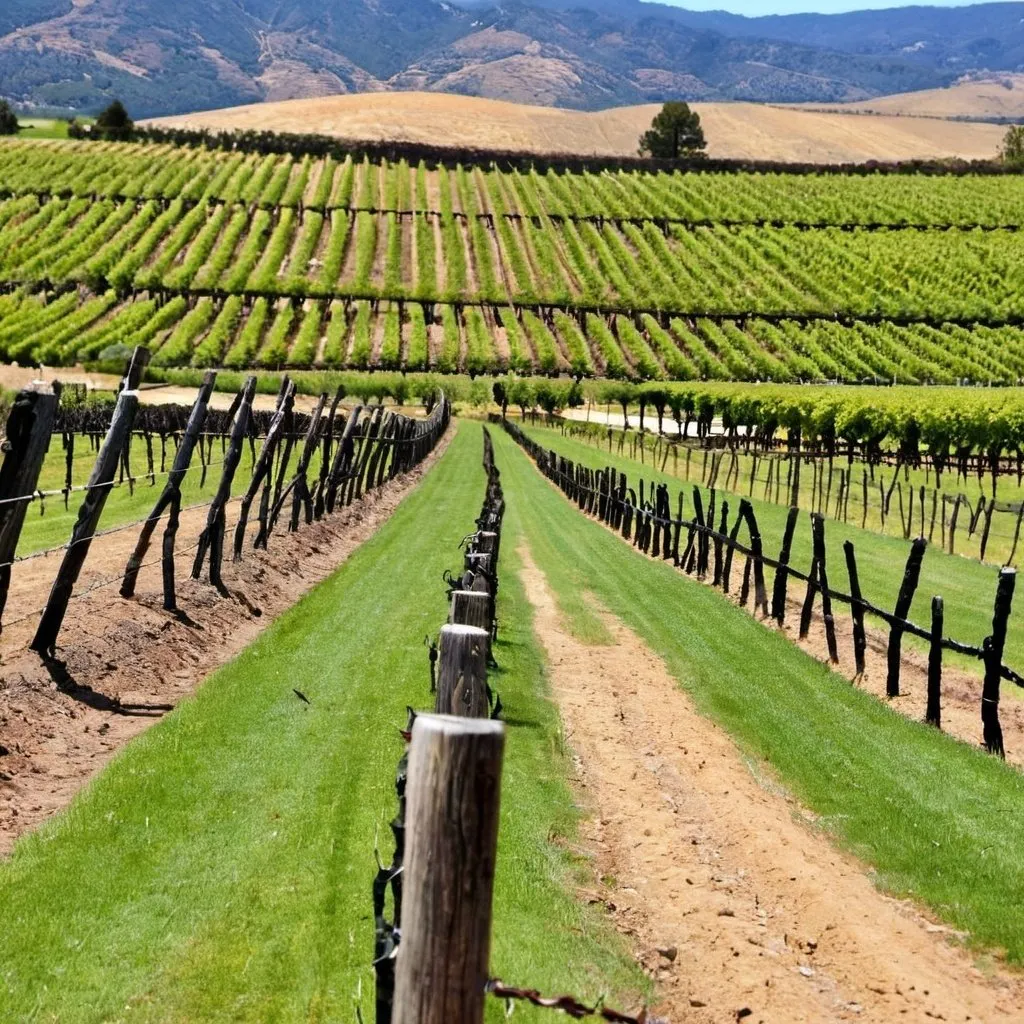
x=1000, y=96
x=737, y=130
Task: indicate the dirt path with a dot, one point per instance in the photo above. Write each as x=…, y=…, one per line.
x=124, y=664
x=735, y=906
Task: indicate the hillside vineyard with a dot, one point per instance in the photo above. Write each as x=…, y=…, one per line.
x=212, y=258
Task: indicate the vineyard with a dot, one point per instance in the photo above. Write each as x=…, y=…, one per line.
x=476, y=592
x=243, y=260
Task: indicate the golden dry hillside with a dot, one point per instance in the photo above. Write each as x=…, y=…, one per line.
x=999, y=96
x=740, y=130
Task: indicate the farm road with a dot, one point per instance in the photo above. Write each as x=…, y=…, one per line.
x=699, y=855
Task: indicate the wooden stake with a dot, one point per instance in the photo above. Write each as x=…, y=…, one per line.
x=911, y=575
x=462, y=678
x=994, y=647
x=263, y=469
x=27, y=438
x=471, y=608
x=860, y=642
x=212, y=537
x=171, y=496
x=100, y=482
x=782, y=573
x=453, y=796
x=818, y=535
x=933, y=713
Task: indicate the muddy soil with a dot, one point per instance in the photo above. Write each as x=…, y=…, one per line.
x=123, y=664
x=731, y=900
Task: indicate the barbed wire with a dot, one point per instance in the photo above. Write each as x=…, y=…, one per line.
x=133, y=525
x=569, y=1005
x=102, y=583
x=40, y=495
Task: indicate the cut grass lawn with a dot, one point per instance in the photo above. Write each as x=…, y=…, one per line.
x=936, y=819
x=967, y=586
x=220, y=867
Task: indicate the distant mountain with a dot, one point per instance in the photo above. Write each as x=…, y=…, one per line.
x=164, y=58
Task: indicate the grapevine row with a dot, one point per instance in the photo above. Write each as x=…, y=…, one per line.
x=241, y=331
x=159, y=171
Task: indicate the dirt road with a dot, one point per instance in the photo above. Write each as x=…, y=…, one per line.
x=732, y=901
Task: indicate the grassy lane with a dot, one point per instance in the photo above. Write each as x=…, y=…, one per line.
x=220, y=868
x=935, y=818
x=967, y=586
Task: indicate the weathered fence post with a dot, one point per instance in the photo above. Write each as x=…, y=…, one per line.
x=171, y=496
x=453, y=795
x=911, y=575
x=818, y=534
x=860, y=642
x=462, y=677
x=262, y=470
x=212, y=537
x=471, y=608
x=100, y=482
x=782, y=573
x=28, y=436
x=298, y=487
x=994, y=646
x=933, y=712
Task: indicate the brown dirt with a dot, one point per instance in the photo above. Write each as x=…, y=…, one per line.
x=739, y=130
x=440, y=264
x=123, y=664
x=730, y=899
x=380, y=254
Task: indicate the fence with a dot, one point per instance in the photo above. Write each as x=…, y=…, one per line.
x=861, y=494
x=357, y=454
x=432, y=959
x=710, y=549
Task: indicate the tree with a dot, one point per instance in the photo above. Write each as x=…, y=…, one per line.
x=1012, y=152
x=8, y=119
x=114, y=122
x=675, y=131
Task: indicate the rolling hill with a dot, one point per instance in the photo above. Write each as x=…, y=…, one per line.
x=740, y=130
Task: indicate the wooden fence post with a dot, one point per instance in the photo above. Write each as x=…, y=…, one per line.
x=262, y=469
x=298, y=486
x=994, y=646
x=818, y=534
x=860, y=642
x=462, y=677
x=471, y=608
x=212, y=537
x=782, y=573
x=29, y=427
x=760, y=593
x=100, y=482
x=933, y=712
x=452, y=811
x=911, y=575
x=171, y=496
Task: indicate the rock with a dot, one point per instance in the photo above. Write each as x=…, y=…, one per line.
x=807, y=972
x=668, y=952
x=697, y=1003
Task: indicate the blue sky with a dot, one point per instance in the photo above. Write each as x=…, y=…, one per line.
x=753, y=8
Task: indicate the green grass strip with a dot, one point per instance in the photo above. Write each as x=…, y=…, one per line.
x=936, y=819
x=219, y=868
x=967, y=586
